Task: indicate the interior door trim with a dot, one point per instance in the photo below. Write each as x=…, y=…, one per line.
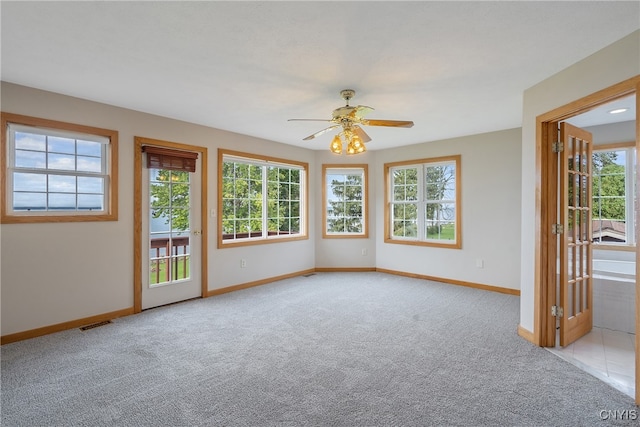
x=544, y=333
x=137, y=215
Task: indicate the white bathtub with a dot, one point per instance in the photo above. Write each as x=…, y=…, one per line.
x=611, y=268
x=614, y=295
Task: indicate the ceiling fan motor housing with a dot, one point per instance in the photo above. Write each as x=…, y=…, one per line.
x=347, y=94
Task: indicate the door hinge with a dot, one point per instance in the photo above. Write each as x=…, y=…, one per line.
x=558, y=147
x=557, y=311
x=557, y=229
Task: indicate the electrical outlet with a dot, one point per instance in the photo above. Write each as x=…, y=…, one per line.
x=243, y=263
x=364, y=251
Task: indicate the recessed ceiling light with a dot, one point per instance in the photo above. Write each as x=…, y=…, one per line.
x=618, y=110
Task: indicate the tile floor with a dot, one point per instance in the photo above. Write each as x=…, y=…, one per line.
x=606, y=354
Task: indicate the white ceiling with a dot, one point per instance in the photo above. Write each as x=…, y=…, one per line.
x=454, y=68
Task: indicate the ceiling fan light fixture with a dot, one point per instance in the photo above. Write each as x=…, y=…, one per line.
x=336, y=145
x=355, y=146
x=350, y=119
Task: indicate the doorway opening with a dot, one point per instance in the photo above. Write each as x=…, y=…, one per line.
x=549, y=310
x=170, y=227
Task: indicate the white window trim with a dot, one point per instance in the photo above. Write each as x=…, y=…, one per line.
x=12, y=129
x=263, y=161
x=359, y=169
x=422, y=202
x=629, y=190
x=12, y=122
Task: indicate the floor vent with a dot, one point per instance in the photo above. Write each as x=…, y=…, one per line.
x=95, y=325
x=309, y=275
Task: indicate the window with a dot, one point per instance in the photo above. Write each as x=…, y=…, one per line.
x=613, y=200
x=344, y=196
x=57, y=172
x=262, y=199
x=422, y=202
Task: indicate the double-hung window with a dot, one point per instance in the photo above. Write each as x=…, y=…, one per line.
x=262, y=199
x=56, y=171
x=422, y=202
x=345, y=200
x=613, y=194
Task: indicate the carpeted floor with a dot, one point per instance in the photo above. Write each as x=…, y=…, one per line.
x=332, y=349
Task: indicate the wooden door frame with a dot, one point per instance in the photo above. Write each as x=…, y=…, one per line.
x=137, y=215
x=544, y=331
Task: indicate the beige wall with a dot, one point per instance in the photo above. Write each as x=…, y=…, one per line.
x=611, y=65
x=490, y=212
x=54, y=273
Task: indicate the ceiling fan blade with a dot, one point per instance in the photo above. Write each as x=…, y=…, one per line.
x=320, y=132
x=361, y=133
x=361, y=111
x=391, y=123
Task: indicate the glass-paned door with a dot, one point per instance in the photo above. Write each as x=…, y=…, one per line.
x=171, y=218
x=576, y=281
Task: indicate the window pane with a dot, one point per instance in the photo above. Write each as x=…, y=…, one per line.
x=29, y=201
x=62, y=201
x=241, y=170
x=179, y=219
x=440, y=230
x=255, y=209
x=179, y=176
x=398, y=211
x=228, y=227
x=241, y=188
x=89, y=148
x=609, y=196
x=30, y=159
x=65, y=164
x=295, y=191
x=228, y=208
x=34, y=182
x=61, y=145
x=295, y=226
x=157, y=175
x=89, y=164
x=244, y=199
x=160, y=220
x=61, y=161
x=295, y=209
x=180, y=194
x=432, y=190
x=62, y=184
x=283, y=209
x=255, y=189
x=91, y=202
x=30, y=141
x=90, y=185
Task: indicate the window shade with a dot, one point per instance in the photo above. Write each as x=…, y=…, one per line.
x=166, y=158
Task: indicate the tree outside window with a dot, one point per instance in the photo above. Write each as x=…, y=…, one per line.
x=261, y=198
x=344, y=196
x=613, y=195
x=423, y=201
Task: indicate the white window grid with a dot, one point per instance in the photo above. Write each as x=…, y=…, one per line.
x=420, y=202
x=630, y=191
x=345, y=172
x=47, y=171
x=264, y=165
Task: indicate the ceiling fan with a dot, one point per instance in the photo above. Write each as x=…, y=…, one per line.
x=350, y=119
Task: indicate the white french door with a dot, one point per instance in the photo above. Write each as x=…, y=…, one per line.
x=171, y=235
